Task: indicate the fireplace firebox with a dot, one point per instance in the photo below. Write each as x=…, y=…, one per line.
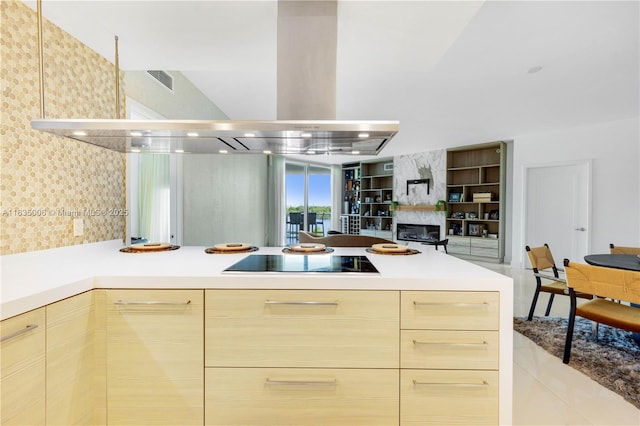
x=420, y=233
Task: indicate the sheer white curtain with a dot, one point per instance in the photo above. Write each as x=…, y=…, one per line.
x=154, y=201
x=276, y=209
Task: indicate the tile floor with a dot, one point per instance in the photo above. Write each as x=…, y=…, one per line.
x=546, y=391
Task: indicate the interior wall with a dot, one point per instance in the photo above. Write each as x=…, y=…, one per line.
x=185, y=102
x=430, y=165
x=225, y=199
x=614, y=148
x=48, y=181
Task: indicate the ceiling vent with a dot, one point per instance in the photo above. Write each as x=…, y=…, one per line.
x=163, y=78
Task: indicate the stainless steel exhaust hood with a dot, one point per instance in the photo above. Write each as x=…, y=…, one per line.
x=310, y=137
x=306, y=88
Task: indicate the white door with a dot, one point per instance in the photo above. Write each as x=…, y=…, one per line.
x=557, y=210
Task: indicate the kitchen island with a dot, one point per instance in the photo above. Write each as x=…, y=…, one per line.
x=426, y=339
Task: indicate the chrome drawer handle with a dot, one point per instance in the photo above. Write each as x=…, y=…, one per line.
x=333, y=382
x=27, y=328
x=152, y=302
x=457, y=385
x=483, y=343
x=450, y=304
x=310, y=302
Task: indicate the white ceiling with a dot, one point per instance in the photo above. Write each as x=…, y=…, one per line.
x=452, y=72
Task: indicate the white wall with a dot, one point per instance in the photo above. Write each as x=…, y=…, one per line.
x=185, y=102
x=614, y=148
x=225, y=199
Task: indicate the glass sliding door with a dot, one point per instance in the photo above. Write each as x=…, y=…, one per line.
x=307, y=198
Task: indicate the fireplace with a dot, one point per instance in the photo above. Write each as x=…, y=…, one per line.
x=420, y=233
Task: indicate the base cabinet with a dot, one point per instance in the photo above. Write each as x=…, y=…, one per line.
x=445, y=397
x=449, y=357
x=22, y=374
x=280, y=396
x=155, y=357
x=74, y=371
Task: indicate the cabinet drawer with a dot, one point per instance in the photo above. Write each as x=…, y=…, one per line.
x=277, y=396
x=441, y=397
x=458, y=249
x=458, y=242
x=484, y=252
x=301, y=328
x=449, y=349
x=485, y=247
x=489, y=243
x=154, y=357
x=22, y=376
x=450, y=310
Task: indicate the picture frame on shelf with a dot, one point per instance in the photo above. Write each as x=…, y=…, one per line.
x=494, y=215
x=475, y=229
x=455, y=197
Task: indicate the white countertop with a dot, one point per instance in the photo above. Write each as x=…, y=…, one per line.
x=34, y=279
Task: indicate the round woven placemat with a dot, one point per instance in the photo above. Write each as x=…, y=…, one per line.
x=326, y=250
x=134, y=250
x=390, y=253
x=212, y=250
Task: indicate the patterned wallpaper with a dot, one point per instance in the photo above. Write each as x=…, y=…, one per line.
x=47, y=181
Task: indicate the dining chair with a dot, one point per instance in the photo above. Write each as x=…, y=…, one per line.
x=294, y=224
x=623, y=250
x=542, y=263
x=319, y=223
x=608, y=284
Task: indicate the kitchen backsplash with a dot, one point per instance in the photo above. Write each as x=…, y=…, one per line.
x=46, y=181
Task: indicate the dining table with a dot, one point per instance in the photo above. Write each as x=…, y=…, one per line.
x=629, y=262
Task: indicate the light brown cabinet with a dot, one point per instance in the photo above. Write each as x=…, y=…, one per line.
x=22, y=372
x=449, y=357
x=301, y=357
x=475, y=200
x=259, y=357
x=301, y=396
x=155, y=357
x=75, y=371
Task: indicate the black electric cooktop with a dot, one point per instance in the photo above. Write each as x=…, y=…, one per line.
x=302, y=263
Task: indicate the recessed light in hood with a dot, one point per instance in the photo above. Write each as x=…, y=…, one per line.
x=211, y=136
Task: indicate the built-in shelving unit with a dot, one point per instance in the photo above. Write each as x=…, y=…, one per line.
x=475, y=200
x=376, y=197
x=350, y=218
x=367, y=196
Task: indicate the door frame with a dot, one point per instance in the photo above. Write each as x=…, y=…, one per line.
x=588, y=164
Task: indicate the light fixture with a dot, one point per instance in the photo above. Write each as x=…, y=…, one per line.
x=223, y=151
x=355, y=152
x=363, y=135
x=179, y=151
x=306, y=135
x=192, y=134
x=79, y=133
x=311, y=151
x=135, y=134
x=249, y=135
x=266, y=151
x=135, y=150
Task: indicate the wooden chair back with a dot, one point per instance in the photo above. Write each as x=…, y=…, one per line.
x=613, y=283
x=623, y=250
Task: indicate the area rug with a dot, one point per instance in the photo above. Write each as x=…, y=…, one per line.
x=613, y=361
